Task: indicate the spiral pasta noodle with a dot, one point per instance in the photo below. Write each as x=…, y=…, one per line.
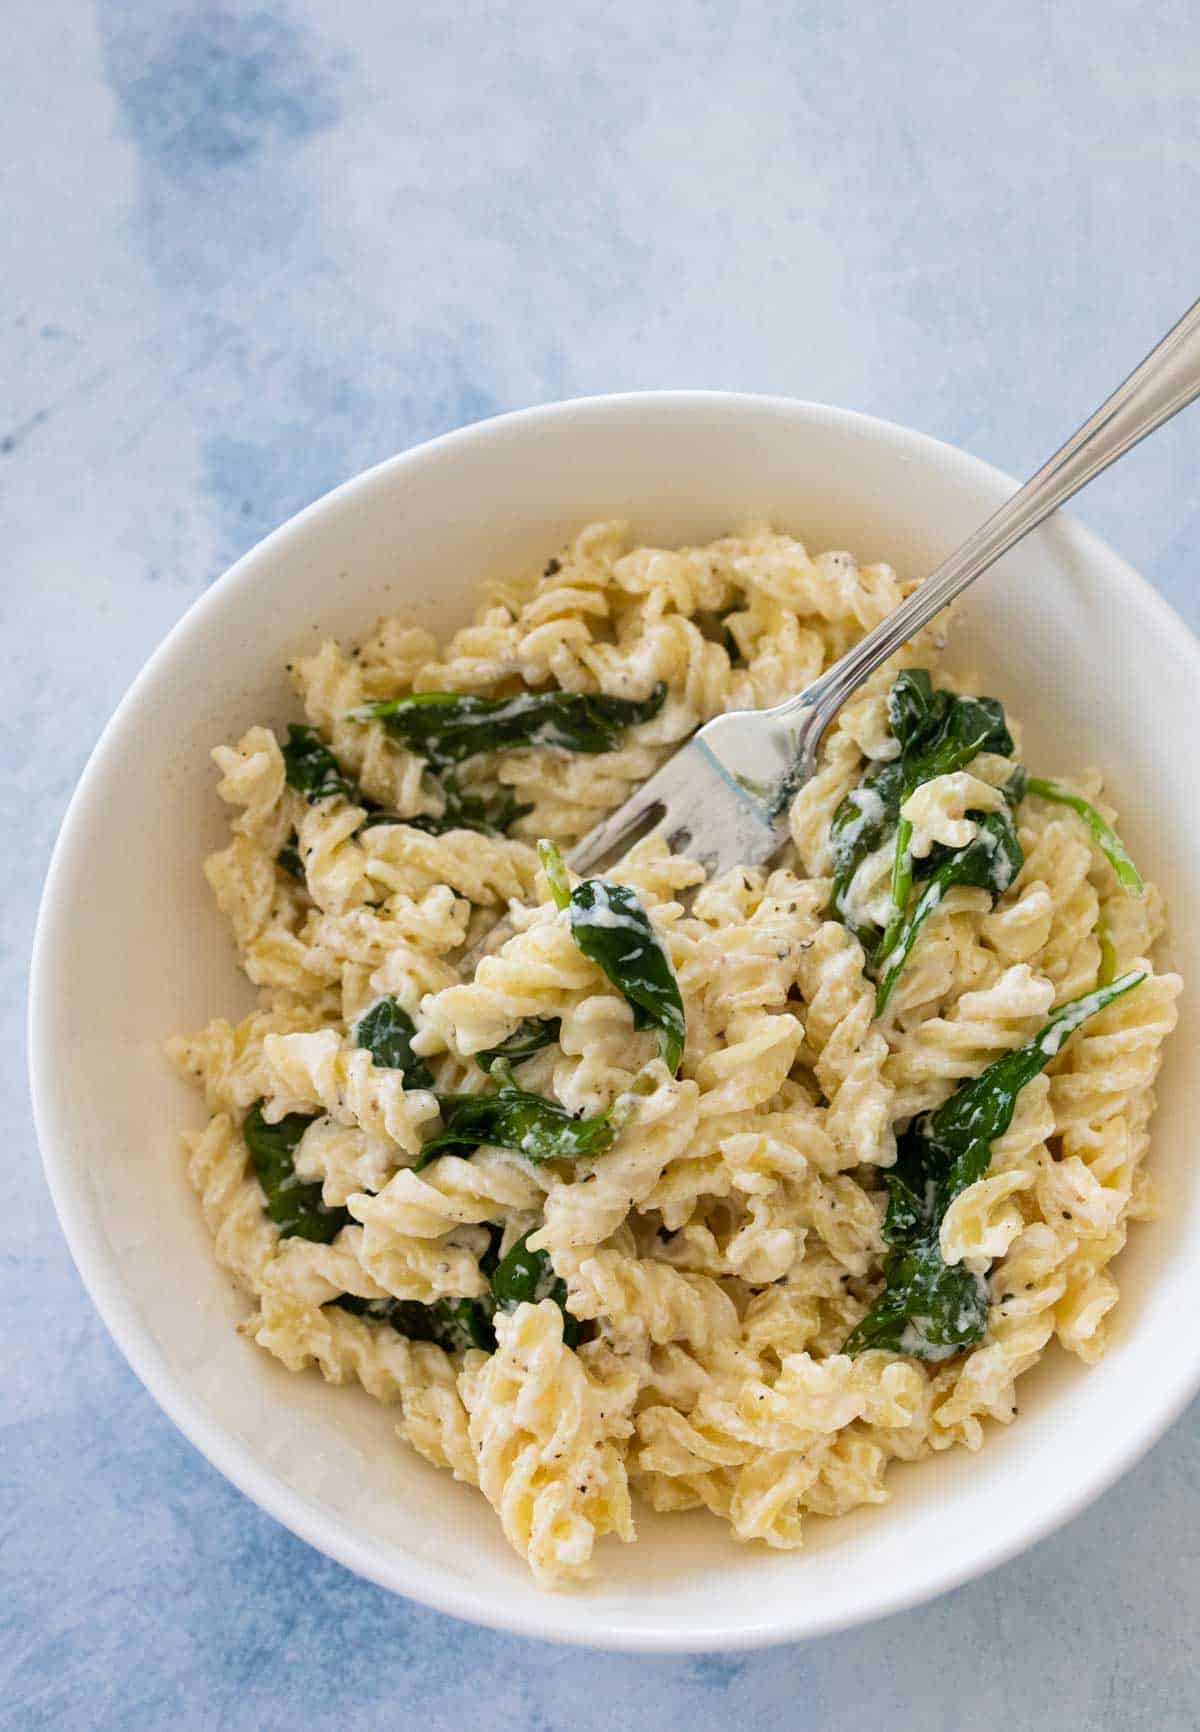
x=545, y=1426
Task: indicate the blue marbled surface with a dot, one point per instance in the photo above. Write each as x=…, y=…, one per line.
x=249, y=250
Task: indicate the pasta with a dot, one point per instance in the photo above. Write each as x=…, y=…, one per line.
x=581, y=1265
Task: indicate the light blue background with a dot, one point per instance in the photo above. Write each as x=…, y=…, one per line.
x=248, y=251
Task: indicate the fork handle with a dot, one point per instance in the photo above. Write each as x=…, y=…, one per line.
x=1165, y=382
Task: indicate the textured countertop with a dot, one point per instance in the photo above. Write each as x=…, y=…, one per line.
x=249, y=251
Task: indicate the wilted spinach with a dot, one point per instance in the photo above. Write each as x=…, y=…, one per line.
x=937, y=734
x=295, y=1205
x=532, y=1035
x=490, y=813
x=313, y=770
x=1102, y=831
x=928, y=1308
x=990, y=861
x=289, y=858
x=523, y=1276
x=386, y=1031
x=535, y=1127
x=447, y=727
x=454, y=1324
x=613, y=930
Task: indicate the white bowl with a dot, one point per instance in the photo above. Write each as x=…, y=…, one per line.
x=130, y=948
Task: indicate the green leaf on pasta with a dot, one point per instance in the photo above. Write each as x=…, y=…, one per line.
x=930, y=1309
x=386, y=1031
x=447, y=727
x=295, y=1205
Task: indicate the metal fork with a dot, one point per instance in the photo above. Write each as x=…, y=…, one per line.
x=723, y=797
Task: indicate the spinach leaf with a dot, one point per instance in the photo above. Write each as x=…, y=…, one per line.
x=530, y=1036
x=289, y=858
x=447, y=727
x=454, y=1324
x=1015, y=789
x=521, y=1276
x=862, y=824
x=916, y=709
x=295, y=1205
x=535, y=1127
x=989, y=862
x=937, y=733
x=386, y=1031
x=1105, y=836
x=961, y=1131
x=490, y=814
x=525, y=1276
x=971, y=726
x=613, y=930
x=312, y=768
x=930, y=1309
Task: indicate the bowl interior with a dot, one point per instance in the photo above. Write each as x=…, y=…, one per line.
x=131, y=949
